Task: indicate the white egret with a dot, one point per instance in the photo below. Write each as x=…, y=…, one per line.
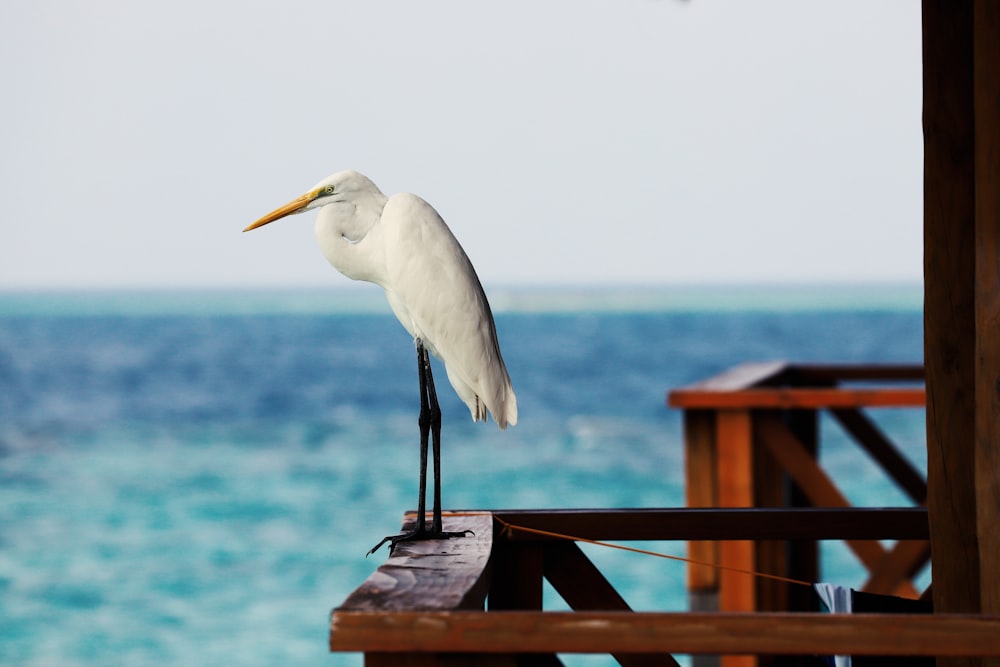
x=401, y=244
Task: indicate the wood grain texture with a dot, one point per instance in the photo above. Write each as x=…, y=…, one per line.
x=431, y=574
x=986, y=101
x=624, y=632
x=949, y=302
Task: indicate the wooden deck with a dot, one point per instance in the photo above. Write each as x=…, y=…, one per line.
x=477, y=600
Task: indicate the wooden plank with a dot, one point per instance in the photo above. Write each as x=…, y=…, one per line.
x=584, y=588
x=649, y=632
x=901, y=564
x=734, y=458
x=804, y=555
x=376, y=659
x=986, y=100
x=785, y=398
x=681, y=523
x=734, y=473
x=744, y=376
x=949, y=301
x=431, y=574
x=578, y=581
x=884, y=452
x=813, y=482
x=771, y=556
x=700, y=491
x=517, y=576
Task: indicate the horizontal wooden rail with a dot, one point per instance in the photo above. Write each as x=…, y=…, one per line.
x=784, y=398
x=506, y=632
x=781, y=373
x=808, y=523
x=781, y=385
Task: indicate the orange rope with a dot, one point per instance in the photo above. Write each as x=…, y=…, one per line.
x=509, y=527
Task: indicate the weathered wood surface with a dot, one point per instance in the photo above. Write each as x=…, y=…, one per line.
x=624, y=632
x=431, y=574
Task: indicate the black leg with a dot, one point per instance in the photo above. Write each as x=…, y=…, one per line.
x=424, y=420
x=430, y=429
x=434, y=421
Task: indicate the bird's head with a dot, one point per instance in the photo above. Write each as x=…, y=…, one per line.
x=344, y=186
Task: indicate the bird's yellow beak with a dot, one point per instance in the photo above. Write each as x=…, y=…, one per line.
x=297, y=205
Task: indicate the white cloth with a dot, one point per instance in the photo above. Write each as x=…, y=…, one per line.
x=838, y=600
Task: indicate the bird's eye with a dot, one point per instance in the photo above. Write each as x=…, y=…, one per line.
x=328, y=190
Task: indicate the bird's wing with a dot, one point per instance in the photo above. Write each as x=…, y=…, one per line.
x=436, y=294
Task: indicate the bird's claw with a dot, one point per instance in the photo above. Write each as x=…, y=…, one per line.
x=417, y=535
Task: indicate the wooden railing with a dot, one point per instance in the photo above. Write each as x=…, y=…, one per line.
x=478, y=600
x=752, y=440
x=759, y=501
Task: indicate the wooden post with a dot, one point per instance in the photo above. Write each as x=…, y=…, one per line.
x=949, y=306
x=734, y=445
x=986, y=82
x=961, y=58
x=803, y=554
x=701, y=491
x=699, y=460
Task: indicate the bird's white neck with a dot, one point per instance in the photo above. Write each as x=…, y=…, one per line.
x=349, y=234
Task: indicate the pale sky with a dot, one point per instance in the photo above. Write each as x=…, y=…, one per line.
x=564, y=141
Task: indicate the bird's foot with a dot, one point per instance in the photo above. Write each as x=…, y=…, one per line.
x=417, y=535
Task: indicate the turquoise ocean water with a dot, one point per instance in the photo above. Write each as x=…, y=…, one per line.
x=194, y=477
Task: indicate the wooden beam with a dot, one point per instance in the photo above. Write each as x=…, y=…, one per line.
x=376, y=659
x=882, y=450
x=584, y=588
x=578, y=581
x=700, y=491
x=648, y=632
x=815, y=484
x=517, y=571
x=784, y=398
x=680, y=523
x=734, y=474
x=986, y=100
x=901, y=564
x=950, y=337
